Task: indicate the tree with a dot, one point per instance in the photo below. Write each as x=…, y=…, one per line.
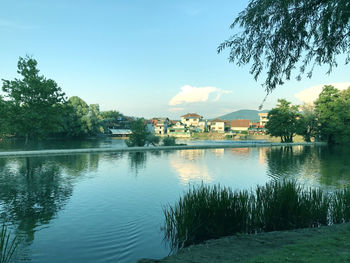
x=3, y=117
x=333, y=113
x=307, y=125
x=82, y=120
x=35, y=104
x=283, y=121
x=138, y=136
x=278, y=33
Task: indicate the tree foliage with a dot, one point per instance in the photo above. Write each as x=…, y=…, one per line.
x=138, y=136
x=283, y=121
x=307, y=123
x=278, y=36
x=82, y=120
x=34, y=103
x=333, y=114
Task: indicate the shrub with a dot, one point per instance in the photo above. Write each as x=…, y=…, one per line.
x=207, y=212
x=169, y=141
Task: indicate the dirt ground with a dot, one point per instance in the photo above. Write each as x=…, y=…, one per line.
x=247, y=248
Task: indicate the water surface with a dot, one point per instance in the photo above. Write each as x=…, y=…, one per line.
x=107, y=207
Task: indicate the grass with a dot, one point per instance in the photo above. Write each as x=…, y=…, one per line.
x=8, y=246
x=332, y=247
x=209, y=212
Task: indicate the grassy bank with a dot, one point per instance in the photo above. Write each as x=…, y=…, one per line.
x=312, y=245
x=209, y=212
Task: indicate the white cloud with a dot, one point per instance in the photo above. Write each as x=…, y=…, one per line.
x=189, y=94
x=309, y=95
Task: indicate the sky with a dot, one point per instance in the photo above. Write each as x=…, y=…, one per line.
x=143, y=58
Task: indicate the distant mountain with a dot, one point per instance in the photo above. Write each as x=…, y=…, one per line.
x=251, y=115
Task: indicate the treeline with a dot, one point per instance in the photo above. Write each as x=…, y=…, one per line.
x=34, y=107
x=327, y=119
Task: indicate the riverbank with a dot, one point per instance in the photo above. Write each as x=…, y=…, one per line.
x=323, y=244
x=239, y=144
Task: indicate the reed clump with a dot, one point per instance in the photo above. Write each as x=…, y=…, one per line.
x=207, y=212
x=8, y=245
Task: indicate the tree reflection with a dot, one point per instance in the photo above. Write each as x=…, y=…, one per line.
x=137, y=161
x=335, y=166
x=285, y=161
x=32, y=192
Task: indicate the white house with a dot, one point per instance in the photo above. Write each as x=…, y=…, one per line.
x=191, y=119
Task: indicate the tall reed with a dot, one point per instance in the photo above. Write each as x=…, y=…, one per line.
x=207, y=212
x=8, y=246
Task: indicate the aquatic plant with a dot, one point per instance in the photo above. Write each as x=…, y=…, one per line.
x=8, y=246
x=207, y=212
x=341, y=206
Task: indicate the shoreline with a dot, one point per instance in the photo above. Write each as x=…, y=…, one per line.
x=241, y=144
x=318, y=244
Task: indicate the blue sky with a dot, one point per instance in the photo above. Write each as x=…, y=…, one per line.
x=143, y=58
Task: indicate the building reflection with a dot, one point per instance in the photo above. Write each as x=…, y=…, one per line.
x=240, y=151
x=192, y=155
x=218, y=152
x=262, y=156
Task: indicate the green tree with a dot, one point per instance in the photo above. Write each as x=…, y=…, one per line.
x=307, y=123
x=35, y=103
x=283, y=121
x=3, y=117
x=110, y=115
x=333, y=113
x=77, y=118
x=82, y=120
x=278, y=36
x=138, y=136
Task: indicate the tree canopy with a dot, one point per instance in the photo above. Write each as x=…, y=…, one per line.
x=283, y=121
x=332, y=109
x=278, y=36
x=34, y=103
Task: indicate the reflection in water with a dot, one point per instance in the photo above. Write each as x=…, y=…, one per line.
x=316, y=166
x=335, y=166
x=262, y=156
x=240, y=151
x=189, y=171
x=285, y=161
x=32, y=194
x=218, y=152
x=34, y=189
x=192, y=155
x=137, y=161
x=190, y=167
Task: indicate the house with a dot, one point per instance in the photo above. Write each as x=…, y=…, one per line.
x=191, y=119
x=239, y=125
x=159, y=126
x=217, y=125
x=179, y=130
x=263, y=118
x=203, y=126
x=122, y=133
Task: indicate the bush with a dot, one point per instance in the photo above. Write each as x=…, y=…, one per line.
x=152, y=139
x=169, y=141
x=208, y=212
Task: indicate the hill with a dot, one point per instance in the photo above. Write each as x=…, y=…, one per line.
x=251, y=115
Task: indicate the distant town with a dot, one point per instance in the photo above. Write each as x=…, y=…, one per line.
x=193, y=123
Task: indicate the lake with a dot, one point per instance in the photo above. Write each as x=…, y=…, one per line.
x=107, y=207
